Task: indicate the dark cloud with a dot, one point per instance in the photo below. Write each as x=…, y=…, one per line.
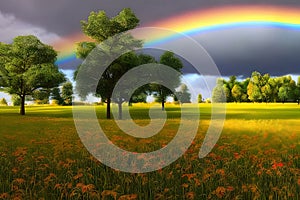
x=240, y=51
x=63, y=16
x=235, y=51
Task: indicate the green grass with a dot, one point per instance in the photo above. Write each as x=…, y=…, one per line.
x=256, y=157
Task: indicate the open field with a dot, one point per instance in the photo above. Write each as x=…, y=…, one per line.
x=256, y=157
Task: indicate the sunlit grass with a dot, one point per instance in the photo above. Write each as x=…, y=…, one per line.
x=257, y=156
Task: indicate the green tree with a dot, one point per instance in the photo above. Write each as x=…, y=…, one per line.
x=254, y=87
x=283, y=93
x=199, y=100
x=16, y=100
x=55, y=95
x=218, y=93
x=27, y=65
x=297, y=91
x=161, y=92
x=101, y=28
x=237, y=93
x=41, y=96
x=228, y=86
x=3, y=102
x=67, y=93
x=183, y=94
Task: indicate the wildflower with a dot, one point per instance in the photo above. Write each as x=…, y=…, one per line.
x=189, y=176
x=220, y=192
x=237, y=156
x=190, y=195
x=128, y=197
x=221, y=172
x=230, y=188
x=78, y=176
x=109, y=193
x=275, y=165
x=19, y=180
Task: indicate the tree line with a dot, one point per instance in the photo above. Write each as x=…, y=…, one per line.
x=257, y=88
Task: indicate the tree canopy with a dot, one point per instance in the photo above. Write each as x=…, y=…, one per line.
x=102, y=30
x=28, y=65
x=258, y=88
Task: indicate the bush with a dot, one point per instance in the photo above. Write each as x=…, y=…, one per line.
x=16, y=100
x=207, y=100
x=3, y=102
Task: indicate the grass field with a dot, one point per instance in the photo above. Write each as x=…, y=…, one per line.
x=256, y=157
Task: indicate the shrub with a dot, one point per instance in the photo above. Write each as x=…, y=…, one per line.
x=3, y=102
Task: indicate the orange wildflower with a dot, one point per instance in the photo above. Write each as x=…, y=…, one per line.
x=220, y=192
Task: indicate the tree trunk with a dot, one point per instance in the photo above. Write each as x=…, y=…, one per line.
x=162, y=103
x=120, y=110
x=22, y=108
x=108, y=108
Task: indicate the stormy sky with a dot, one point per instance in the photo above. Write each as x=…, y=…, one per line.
x=236, y=51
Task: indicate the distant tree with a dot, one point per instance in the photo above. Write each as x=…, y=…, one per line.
x=267, y=92
x=272, y=82
x=218, y=93
x=16, y=100
x=55, y=95
x=283, y=93
x=199, y=100
x=297, y=91
x=237, y=93
x=101, y=28
x=41, y=96
x=3, y=102
x=67, y=93
x=183, y=94
x=161, y=92
x=254, y=87
x=27, y=65
x=228, y=85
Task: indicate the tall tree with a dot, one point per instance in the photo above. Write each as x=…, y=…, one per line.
x=27, y=65
x=67, y=93
x=199, y=100
x=237, y=93
x=183, y=94
x=169, y=59
x=218, y=93
x=55, y=95
x=254, y=87
x=100, y=28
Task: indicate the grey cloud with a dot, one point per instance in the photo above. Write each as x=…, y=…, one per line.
x=236, y=51
x=240, y=51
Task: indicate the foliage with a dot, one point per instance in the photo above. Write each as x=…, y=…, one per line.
x=27, y=65
x=56, y=96
x=16, y=100
x=258, y=88
x=67, y=93
x=101, y=28
x=41, y=96
x=218, y=93
x=3, y=102
x=199, y=98
x=161, y=92
x=183, y=94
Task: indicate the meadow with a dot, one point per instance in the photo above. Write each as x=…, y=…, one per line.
x=256, y=157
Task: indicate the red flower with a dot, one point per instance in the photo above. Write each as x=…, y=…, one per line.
x=275, y=165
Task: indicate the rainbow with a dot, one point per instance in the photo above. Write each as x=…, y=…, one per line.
x=200, y=21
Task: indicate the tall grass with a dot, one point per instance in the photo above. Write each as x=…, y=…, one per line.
x=257, y=156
